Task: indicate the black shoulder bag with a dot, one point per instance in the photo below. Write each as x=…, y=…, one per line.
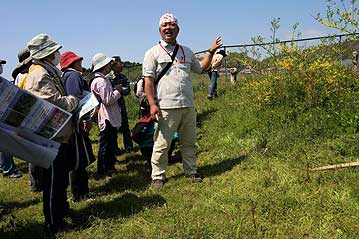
x=141, y=130
x=144, y=106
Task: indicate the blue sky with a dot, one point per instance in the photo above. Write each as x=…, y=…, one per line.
x=129, y=28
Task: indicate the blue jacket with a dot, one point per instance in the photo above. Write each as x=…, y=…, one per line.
x=74, y=84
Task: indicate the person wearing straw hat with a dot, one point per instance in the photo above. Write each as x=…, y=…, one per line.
x=172, y=102
x=44, y=81
x=71, y=66
x=109, y=114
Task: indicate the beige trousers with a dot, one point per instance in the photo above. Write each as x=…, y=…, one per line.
x=183, y=120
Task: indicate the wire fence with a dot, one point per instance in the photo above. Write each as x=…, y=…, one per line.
x=347, y=45
x=132, y=71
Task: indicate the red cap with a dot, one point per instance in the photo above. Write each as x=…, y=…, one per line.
x=67, y=58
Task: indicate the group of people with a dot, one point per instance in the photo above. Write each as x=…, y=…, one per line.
x=168, y=89
x=38, y=74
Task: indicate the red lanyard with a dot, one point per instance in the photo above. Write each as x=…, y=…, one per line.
x=179, y=61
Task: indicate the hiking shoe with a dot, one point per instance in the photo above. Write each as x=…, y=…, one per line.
x=76, y=198
x=209, y=97
x=157, y=184
x=14, y=175
x=196, y=178
x=89, y=197
x=117, y=152
x=62, y=227
x=86, y=197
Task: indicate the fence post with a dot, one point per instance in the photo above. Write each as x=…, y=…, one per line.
x=340, y=50
x=225, y=65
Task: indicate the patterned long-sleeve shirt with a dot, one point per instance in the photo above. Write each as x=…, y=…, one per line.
x=109, y=108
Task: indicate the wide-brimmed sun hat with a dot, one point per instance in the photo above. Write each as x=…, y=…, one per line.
x=42, y=46
x=67, y=58
x=24, y=60
x=100, y=60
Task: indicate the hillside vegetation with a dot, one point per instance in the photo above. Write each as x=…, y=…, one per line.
x=256, y=143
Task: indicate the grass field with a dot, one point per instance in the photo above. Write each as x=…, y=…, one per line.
x=257, y=181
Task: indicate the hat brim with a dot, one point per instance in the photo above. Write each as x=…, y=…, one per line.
x=73, y=60
x=46, y=52
x=102, y=64
x=20, y=67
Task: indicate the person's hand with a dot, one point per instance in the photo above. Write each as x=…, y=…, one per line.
x=118, y=88
x=155, y=112
x=216, y=44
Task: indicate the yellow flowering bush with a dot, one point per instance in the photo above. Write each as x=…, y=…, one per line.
x=305, y=78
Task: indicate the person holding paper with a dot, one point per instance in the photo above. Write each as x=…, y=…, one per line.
x=75, y=85
x=44, y=81
x=7, y=164
x=109, y=114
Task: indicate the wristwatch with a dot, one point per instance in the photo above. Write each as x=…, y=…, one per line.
x=211, y=52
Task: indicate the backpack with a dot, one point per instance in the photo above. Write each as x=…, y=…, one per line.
x=139, y=87
x=139, y=90
x=22, y=82
x=139, y=133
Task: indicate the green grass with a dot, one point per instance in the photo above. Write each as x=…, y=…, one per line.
x=257, y=183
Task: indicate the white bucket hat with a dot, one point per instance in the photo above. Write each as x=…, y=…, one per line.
x=42, y=46
x=100, y=60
